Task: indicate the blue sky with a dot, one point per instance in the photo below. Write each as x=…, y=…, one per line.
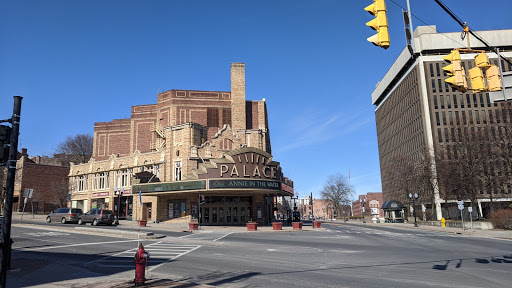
x=85, y=61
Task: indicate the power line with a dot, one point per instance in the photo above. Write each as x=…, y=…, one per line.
x=430, y=26
x=463, y=24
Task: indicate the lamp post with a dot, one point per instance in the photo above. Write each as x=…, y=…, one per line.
x=119, y=194
x=363, y=203
x=414, y=206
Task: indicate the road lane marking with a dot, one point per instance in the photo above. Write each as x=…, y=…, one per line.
x=75, y=245
x=42, y=234
x=223, y=236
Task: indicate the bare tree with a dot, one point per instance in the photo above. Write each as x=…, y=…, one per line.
x=337, y=191
x=60, y=192
x=464, y=165
x=76, y=149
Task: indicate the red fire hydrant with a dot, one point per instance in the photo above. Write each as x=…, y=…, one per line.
x=141, y=259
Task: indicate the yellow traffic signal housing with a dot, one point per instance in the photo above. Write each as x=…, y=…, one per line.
x=453, y=56
x=493, y=78
x=476, y=77
x=379, y=24
x=482, y=60
x=456, y=70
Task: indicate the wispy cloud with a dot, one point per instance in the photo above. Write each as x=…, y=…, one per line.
x=309, y=129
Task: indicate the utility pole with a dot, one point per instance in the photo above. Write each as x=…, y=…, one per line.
x=311, y=200
x=11, y=173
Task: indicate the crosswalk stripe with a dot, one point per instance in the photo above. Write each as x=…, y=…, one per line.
x=159, y=252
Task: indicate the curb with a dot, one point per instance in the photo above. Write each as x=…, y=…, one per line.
x=96, y=231
x=143, y=235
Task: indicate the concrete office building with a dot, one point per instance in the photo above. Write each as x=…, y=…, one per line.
x=418, y=114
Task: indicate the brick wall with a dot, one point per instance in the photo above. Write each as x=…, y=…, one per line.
x=44, y=179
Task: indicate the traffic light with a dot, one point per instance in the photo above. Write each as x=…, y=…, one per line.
x=493, y=78
x=456, y=70
x=5, y=140
x=203, y=199
x=379, y=24
x=482, y=61
x=476, y=77
x=492, y=73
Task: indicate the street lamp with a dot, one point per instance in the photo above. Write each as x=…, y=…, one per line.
x=363, y=203
x=119, y=194
x=414, y=206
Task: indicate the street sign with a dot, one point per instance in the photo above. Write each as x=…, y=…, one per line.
x=27, y=193
x=461, y=207
x=460, y=202
x=470, y=209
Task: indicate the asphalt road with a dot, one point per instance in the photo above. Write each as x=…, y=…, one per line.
x=344, y=255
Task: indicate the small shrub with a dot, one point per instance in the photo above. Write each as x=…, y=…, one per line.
x=502, y=219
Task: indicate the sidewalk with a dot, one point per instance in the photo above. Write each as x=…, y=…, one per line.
x=150, y=231
x=498, y=234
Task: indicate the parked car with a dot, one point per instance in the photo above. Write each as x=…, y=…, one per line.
x=65, y=215
x=97, y=216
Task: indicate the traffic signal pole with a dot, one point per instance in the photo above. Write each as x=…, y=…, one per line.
x=11, y=173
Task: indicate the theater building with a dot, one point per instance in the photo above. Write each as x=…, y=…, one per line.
x=191, y=152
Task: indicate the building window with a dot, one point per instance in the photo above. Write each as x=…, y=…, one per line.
x=177, y=171
x=468, y=100
x=431, y=70
x=438, y=73
x=477, y=115
x=157, y=171
x=461, y=101
x=433, y=82
x=444, y=118
x=435, y=102
x=437, y=119
x=212, y=115
x=122, y=178
x=103, y=180
x=455, y=101
x=457, y=117
x=448, y=101
x=82, y=182
x=95, y=181
x=441, y=99
x=226, y=116
x=125, y=178
x=439, y=85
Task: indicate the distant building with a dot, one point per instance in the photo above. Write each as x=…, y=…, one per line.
x=372, y=206
x=418, y=114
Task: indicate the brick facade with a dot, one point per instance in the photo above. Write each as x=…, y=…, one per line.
x=372, y=206
x=171, y=138
x=49, y=181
